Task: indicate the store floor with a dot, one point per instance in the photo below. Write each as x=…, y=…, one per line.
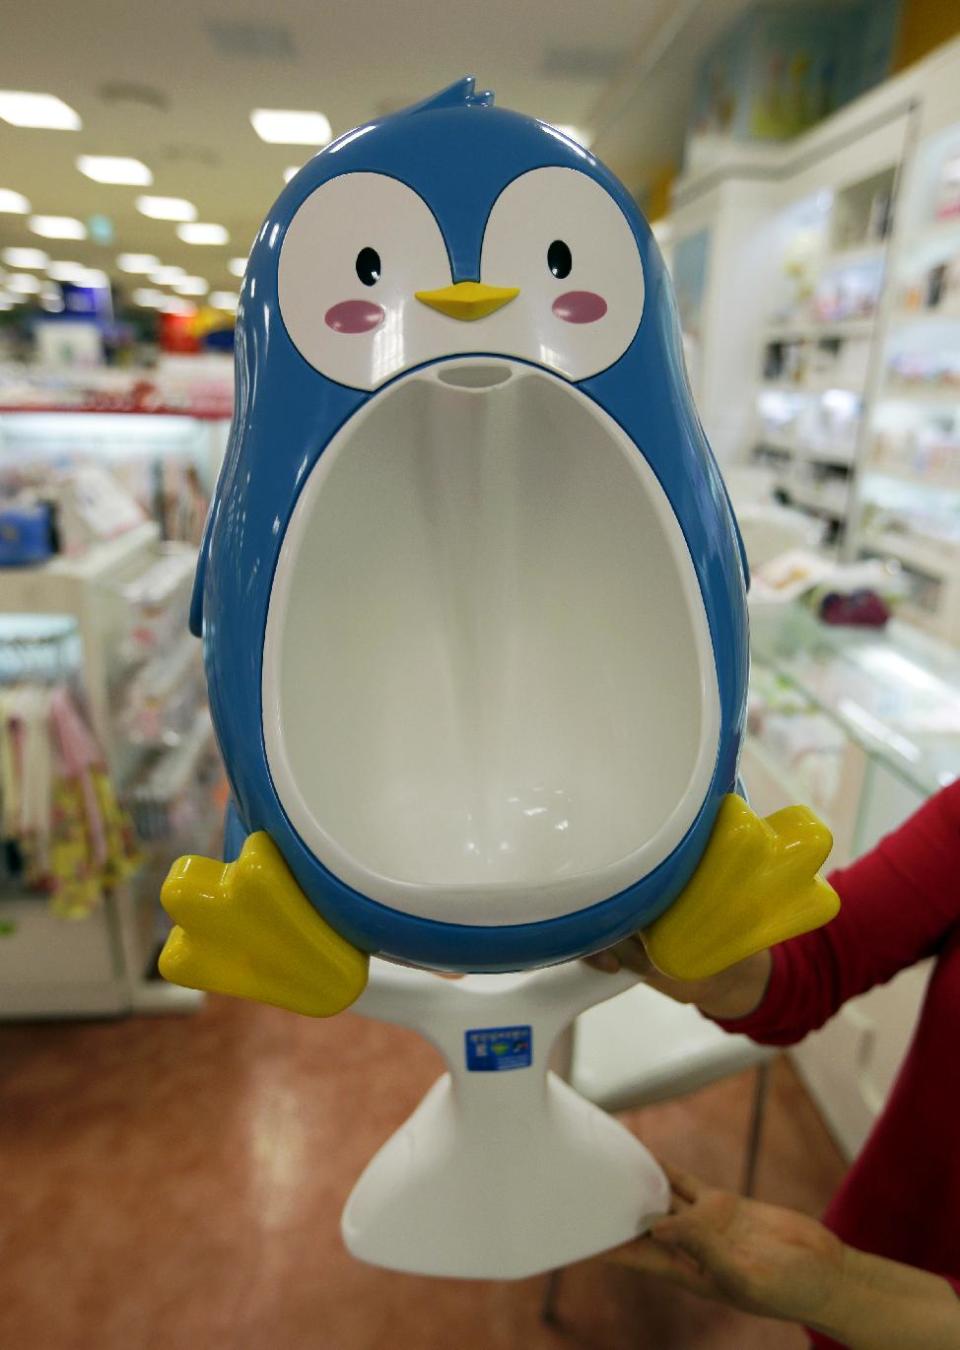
x=176, y=1184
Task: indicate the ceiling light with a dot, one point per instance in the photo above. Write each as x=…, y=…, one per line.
x=22, y=283
x=76, y=274
x=37, y=110
x=51, y=299
x=166, y=276
x=172, y=304
x=149, y=299
x=57, y=227
x=282, y=126
x=115, y=169
x=13, y=202
x=292, y=172
x=224, y=300
x=25, y=257
x=166, y=208
x=237, y=266
x=191, y=286
x=92, y=278
x=137, y=262
x=65, y=271
x=203, y=234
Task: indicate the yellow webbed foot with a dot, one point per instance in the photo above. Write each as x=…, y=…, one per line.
x=756, y=885
x=246, y=928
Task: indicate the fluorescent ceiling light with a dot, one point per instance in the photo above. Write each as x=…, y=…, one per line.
x=237, y=266
x=76, y=274
x=22, y=283
x=137, y=262
x=203, y=234
x=25, y=257
x=191, y=286
x=15, y=203
x=292, y=172
x=224, y=300
x=115, y=169
x=166, y=276
x=149, y=299
x=172, y=304
x=285, y=126
x=64, y=271
x=37, y=110
x=166, y=208
x=57, y=227
x=51, y=299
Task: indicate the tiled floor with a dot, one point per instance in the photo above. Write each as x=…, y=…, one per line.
x=176, y=1184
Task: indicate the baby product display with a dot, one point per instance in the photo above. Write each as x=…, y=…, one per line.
x=473, y=604
x=64, y=833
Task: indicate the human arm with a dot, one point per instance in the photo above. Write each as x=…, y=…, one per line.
x=898, y=903
x=777, y=1263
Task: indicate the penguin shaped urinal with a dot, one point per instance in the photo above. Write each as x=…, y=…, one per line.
x=473, y=608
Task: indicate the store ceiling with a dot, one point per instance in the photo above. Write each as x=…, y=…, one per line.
x=172, y=83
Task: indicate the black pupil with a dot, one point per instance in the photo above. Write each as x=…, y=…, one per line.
x=559, y=258
x=368, y=266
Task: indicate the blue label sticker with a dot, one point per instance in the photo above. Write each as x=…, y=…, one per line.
x=491, y=1049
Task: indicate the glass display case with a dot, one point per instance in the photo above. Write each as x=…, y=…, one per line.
x=862, y=723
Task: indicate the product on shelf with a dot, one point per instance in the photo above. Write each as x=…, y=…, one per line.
x=948, y=189
x=64, y=833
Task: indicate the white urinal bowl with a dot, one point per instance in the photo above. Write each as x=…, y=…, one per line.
x=489, y=691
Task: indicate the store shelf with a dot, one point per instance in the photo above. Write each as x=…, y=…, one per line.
x=936, y=559
x=856, y=253
x=926, y=482
x=933, y=396
x=941, y=314
x=829, y=501
x=811, y=388
x=816, y=332
x=894, y=691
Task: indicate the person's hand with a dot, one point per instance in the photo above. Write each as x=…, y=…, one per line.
x=758, y=1258
x=733, y=993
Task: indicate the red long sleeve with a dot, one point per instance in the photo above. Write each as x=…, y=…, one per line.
x=899, y=904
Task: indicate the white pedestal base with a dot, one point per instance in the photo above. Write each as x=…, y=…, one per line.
x=498, y=1174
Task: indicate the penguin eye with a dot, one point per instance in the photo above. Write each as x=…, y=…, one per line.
x=350, y=318
x=368, y=266
x=559, y=259
x=577, y=327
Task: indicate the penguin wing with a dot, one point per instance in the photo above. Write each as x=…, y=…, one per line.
x=757, y=884
x=245, y=928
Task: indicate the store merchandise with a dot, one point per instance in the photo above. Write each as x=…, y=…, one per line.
x=816, y=349
x=118, y=611
x=64, y=833
x=404, y=617
x=195, y=387
x=26, y=532
x=948, y=188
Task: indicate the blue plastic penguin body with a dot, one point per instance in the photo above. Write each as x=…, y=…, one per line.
x=412, y=273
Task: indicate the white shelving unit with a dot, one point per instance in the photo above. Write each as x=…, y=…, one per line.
x=804, y=366
x=908, y=505
x=817, y=351
x=50, y=966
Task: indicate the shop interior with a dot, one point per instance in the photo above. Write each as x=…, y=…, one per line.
x=176, y=1161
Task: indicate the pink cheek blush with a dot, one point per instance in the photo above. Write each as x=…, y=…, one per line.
x=579, y=307
x=355, y=316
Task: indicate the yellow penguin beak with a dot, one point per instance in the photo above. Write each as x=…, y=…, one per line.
x=468, y=299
